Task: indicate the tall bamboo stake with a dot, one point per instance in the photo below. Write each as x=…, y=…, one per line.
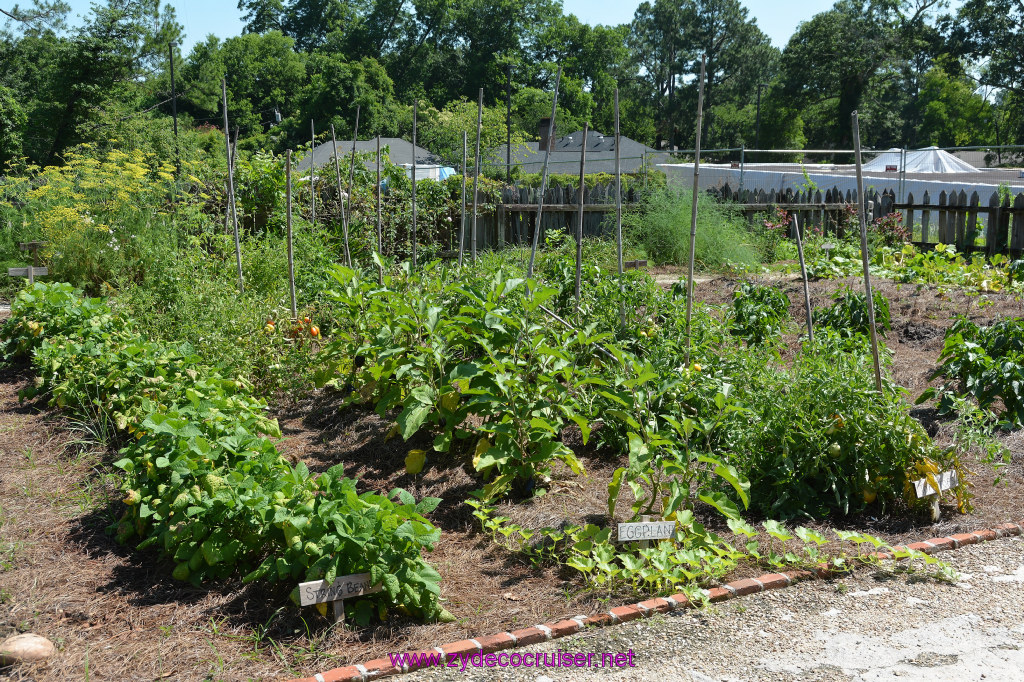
x=312, y=173
x=380, y=230
x=415, y=113
x=579, y=221
x=544, y=178
x=341, y=199
x=618, y=211
x=803, y=274
x=693, y=208
x=288, y=223
x=476, y=167
x=462, y=204
x=864, y=252
x=233, y=206
x=231, y=187
x=351, y=175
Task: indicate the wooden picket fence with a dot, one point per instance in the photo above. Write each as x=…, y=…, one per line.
x=951, y=218
x=512, y=219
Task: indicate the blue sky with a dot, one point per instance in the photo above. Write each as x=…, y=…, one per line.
x=777, y=18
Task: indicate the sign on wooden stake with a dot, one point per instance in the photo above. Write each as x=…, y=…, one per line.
x=344, y=587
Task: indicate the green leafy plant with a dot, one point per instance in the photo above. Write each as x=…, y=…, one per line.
x=848, y=315
x=204, y=483
x=759, y=312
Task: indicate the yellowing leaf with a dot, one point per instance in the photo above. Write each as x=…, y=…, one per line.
x=482, y=446
x=415, y=460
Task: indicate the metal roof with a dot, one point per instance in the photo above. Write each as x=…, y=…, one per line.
x=399, y=152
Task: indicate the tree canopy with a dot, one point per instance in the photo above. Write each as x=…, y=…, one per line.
x=918, y=72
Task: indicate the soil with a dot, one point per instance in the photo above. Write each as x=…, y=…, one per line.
x=115, y=613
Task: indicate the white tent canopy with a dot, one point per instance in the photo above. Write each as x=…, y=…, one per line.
x=927, y=160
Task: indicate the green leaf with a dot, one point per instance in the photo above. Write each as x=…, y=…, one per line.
x=412, y=418
x=613, y=489
x=722, y=503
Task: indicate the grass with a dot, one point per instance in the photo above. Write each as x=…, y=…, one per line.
x=660, y=225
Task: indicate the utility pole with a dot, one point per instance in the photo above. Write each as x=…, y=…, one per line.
x=174, y=108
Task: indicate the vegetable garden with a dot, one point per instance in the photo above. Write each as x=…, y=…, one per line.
x=470, y=436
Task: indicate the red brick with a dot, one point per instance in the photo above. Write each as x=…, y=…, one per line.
x=563, y=628
x=658, y=605
x=920, y=547
x=681, y=600
x=463, y=646
x=942, y=543
x=718, y=594
x=796, y=576
x=745, y=586
x=600, y=620
x=881, y=556
x=773, y=581
x=965, y=539
x=380, y=667
x=823, y=571
x=985, y=535
x=346, y=674
x=626, y=613
x=529, y=636
x=1008, y=528
x=492, y=643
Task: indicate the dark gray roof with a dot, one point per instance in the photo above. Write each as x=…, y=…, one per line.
x=400, y=152
x=565, y=156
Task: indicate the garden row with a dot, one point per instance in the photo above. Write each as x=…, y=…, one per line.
x=496, y=371
x=204, y=483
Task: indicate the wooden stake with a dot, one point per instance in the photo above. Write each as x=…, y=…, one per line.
x=864, y=252
x=288, y=222
x=341, y=200
x=476, y=168
x=618, y=213
x=351, y=175
x=462, y=204
x=312, y=174
x=231, y=187
x=693, y=208
x=803, y=274
x=415, y=113
x=380, y=232
x=544, y=178
x=579, y=221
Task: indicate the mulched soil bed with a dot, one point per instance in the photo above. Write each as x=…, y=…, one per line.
x=116, y=614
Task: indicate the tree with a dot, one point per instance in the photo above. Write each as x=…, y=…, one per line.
x=739, y=56
x=12, y=123
x=837, y=57
x=992, y=31
x=953, y=115
x=655, y=46
x=64, y=80
x=264, y=75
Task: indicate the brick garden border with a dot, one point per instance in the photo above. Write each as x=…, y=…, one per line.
x=381, y=667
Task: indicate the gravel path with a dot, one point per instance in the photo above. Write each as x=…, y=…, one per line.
x=870, y=627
